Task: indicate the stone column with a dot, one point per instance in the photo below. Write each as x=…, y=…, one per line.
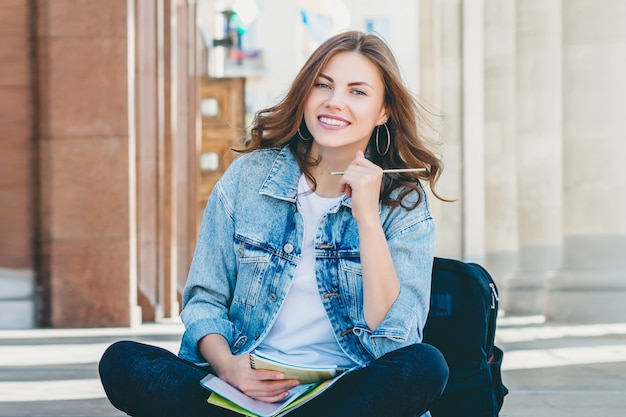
x=450, y=220
x=539, y=136
x=186, y=129
x=85, y=73
x=501, y=235
x=429, y=49
x=473, y=123
x=17, y=188
x=590, y=285
x=429, y=92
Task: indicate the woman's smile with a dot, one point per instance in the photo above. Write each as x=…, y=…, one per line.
x=332, y=122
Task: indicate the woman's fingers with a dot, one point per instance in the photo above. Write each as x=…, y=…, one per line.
x=361, y=173
x=361, y=182
x=269, y=390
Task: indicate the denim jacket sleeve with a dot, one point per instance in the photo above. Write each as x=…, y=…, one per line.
x=410, y=237
x=207, y=294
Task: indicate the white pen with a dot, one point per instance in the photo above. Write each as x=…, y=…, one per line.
x=385, y=171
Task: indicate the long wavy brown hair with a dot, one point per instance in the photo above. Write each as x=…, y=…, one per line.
x=278, y=125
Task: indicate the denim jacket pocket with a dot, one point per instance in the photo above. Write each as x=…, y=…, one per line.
x=253, y=265
x=351, y=287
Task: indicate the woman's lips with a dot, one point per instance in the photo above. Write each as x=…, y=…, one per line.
x=333, y=121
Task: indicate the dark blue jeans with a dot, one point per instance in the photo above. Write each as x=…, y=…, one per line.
x=147, y=381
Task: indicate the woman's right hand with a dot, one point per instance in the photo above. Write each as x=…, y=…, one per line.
x=260, y=384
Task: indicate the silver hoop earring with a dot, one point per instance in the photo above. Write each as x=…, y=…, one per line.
x=302, y=137
x=381, y=153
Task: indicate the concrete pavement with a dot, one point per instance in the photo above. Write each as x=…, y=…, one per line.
x=563, y=370
x=551, y=370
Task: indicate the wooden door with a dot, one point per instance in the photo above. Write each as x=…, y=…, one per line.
x=223, y=112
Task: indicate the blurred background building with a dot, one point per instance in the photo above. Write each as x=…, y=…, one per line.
x=116, y=119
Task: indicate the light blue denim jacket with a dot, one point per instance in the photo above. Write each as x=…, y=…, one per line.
x=250, y=244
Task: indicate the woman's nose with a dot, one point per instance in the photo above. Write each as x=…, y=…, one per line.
x=335, y=100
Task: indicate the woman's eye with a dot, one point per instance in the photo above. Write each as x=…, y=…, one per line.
x=321, y=85
x=358, y=92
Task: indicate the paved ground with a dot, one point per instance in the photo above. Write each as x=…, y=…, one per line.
x=551, y=370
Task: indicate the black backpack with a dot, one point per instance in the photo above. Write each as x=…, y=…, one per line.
x=462, y=325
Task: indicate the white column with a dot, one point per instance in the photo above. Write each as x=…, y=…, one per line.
x=590, y=285
x=501, y=237
x=539, y=154
x=450, y=220
x=429, y=50
x=472, y=25
x=429, y=91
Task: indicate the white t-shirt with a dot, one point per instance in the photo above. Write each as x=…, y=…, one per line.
x=302, y=333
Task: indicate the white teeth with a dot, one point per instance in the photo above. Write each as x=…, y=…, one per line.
x=332, y=122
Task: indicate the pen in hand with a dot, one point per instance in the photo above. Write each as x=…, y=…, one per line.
x=385, y=171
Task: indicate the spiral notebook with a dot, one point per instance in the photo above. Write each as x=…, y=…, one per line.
x=306, y=374
x=319, y=379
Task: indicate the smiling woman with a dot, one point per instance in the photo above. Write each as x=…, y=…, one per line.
x=345, y=78
x=344, y=106
x=307, y=267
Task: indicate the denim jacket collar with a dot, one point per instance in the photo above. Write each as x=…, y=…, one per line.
x=283, y=177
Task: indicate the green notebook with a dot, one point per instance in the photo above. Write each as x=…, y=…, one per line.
x=226, y=396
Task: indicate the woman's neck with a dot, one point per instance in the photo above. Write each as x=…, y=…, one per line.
x=326, y=185
x=331, y=160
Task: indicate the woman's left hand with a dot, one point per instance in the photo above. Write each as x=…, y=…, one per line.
x=362, y=182
x=381, y=286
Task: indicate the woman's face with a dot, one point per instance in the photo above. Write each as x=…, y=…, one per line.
x=345, y=104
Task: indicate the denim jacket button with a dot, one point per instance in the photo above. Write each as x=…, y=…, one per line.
x=240, y=252
x=325, y=246
x=346, y=332
x=273, y=297
x=288, y=248
x=240, y=342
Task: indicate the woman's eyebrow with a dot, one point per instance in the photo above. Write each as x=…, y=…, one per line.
x=352, y=84
x=327, y=77
x=359, y=83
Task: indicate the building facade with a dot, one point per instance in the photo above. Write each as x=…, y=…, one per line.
x=99, y=124
x=101, y=150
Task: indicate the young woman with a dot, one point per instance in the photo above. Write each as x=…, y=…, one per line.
x=309, y=252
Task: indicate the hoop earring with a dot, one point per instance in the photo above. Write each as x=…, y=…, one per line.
x=302, y=137
x=382, y=153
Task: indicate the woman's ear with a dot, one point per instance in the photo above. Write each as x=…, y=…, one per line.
x=384, y=116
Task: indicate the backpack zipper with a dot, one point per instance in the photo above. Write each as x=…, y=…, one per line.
x=494, y=295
